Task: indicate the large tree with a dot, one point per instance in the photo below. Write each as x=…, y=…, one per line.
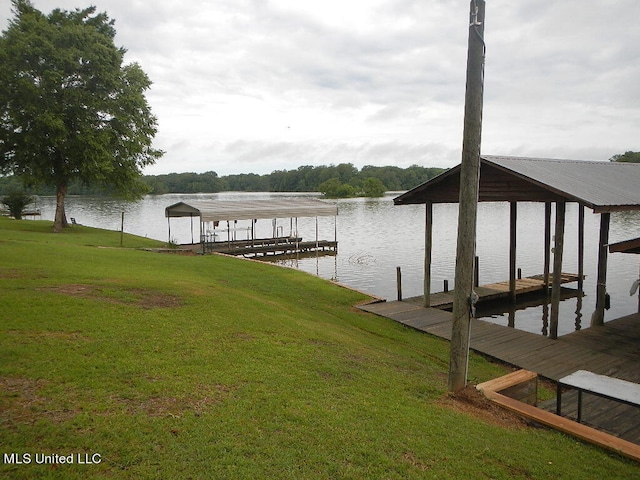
x=70, y=109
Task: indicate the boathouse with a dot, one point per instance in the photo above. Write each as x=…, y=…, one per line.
x=603, y=187
x=219, y=230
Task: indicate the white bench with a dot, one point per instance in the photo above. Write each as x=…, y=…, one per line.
x=601, y=385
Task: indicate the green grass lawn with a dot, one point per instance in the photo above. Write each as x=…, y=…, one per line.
x=171, y=366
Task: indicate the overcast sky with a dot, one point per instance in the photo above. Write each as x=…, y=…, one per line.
x=244, y=86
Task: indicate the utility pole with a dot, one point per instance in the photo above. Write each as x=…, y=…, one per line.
x=464, y=296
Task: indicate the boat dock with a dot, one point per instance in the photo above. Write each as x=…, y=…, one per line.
x=499, y=290
x=271, y=247
x=212, y=214
x=608, y=350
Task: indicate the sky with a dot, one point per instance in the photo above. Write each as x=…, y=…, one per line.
x=253, y=86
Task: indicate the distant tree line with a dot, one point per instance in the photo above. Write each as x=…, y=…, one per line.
x=630, y=157
x=304, y=179
x=333, y=180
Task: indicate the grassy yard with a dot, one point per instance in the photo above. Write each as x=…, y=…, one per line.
x=171, y=366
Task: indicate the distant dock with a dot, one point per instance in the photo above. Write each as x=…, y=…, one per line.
x=271, y=247
x=213, y=214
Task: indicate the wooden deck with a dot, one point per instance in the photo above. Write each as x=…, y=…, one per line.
x=609, y=350
x=270, y=246
x=495, y=291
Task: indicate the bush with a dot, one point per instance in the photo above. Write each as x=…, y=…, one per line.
x=16, y=203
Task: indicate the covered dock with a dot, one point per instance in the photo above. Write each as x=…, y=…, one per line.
x=604, y=187
x=220, y=232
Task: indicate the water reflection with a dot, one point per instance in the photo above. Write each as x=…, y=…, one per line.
x=530, y=306
x=579, y=311
x=375, y=237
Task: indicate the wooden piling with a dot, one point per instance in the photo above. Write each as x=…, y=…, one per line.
x=513, y=219
x=547, y=243
x=428, y=245
x=601, y=289
x=557, y=269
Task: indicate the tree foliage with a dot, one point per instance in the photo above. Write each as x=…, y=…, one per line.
x=70, y=109
x=631, y=157
x=334, y=188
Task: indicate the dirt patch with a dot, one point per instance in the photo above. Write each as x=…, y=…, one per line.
x=21, y=401
x=141, y=297
x=162, y=406
x=19, y=274
x=471, y=401
x=69, y=337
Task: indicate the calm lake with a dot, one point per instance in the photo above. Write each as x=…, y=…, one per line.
x=375, y=237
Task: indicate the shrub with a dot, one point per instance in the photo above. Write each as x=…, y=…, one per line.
x=16, y=203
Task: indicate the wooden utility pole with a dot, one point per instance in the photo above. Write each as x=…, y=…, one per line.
x=467, y=213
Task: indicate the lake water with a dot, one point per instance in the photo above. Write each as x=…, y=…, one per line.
x=375, y=237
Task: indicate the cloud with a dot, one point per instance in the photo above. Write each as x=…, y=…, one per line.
x=260, y=85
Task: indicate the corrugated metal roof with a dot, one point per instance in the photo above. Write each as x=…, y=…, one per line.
x=602, y=186
x=215, y=211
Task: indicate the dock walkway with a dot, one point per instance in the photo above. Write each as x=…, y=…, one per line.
x=495, y=291
x=608, y=350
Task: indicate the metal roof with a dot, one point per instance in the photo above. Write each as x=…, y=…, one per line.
x=601, y=186
x=214, y=211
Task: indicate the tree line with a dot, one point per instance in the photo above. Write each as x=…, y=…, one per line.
x=303, y=179
x=332, y=180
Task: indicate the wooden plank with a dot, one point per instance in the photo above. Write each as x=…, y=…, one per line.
x=508, y=380
x=568, y=426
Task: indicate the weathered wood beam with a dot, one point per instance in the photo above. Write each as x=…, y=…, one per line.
x=547, y=243
x=580, y=248
x=597, y=318
x=513, y=221
x=557, y=269
x=428, y=246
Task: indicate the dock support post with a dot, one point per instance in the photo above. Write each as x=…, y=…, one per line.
x=428, y=245
x=557, y=269
x=580, y=249
x=547, y=244
x=513, y=220
x=476, y=271
x=399, y=283
x=597, y=318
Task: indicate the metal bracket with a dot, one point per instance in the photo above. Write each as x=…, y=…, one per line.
x=473, y=299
